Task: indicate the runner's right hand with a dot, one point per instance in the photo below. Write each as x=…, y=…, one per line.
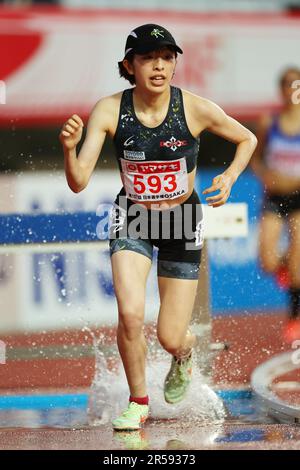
x=71, y=132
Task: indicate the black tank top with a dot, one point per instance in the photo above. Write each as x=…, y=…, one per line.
x=171, y=140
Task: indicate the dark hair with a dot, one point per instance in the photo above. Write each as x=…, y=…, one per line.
x=285, y=71
x=123, y=72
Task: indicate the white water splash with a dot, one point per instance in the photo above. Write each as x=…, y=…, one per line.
x=109, y=393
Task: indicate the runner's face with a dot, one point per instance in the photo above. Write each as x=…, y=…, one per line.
x=286, y=87
x=154, y=70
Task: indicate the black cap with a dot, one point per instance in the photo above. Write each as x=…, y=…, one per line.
x=149, y=37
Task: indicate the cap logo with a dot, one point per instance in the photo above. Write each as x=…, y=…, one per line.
x=156, y=32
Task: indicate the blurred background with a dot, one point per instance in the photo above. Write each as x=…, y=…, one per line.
x=59, y=58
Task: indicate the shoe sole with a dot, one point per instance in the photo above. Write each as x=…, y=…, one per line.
x=174, y=401
x=126, y=429
x=178, y=400
x=143, y=420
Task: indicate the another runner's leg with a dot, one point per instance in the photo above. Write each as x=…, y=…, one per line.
x=270, y=231
x=292, y=328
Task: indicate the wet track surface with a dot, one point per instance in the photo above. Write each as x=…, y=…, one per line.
x=156, y=436
x=245, y=427
x=35, y=416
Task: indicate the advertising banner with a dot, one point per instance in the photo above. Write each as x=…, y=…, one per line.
x=56, y=62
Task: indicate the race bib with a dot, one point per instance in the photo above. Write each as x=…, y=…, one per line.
x=155, y=180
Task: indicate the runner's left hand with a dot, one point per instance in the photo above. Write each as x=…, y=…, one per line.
x=222, y=183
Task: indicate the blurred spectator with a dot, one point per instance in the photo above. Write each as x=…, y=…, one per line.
x=277, y=163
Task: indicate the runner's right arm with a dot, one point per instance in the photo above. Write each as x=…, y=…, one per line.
x=79, y=168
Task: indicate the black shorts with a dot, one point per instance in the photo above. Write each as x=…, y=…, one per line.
x=176, y=232
x=282, y=206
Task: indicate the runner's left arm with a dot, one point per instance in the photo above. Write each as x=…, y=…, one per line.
x=218, y=122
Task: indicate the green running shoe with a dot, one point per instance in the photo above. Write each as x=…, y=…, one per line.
x=132, y=418
x=178, y=380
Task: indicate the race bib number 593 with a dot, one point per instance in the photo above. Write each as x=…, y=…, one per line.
x=155, y=180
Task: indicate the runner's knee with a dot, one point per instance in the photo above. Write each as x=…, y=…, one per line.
x=170, y=341
x=131, y=319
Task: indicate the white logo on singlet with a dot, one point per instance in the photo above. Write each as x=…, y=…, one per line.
x=173, y=143
x=128, y=141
